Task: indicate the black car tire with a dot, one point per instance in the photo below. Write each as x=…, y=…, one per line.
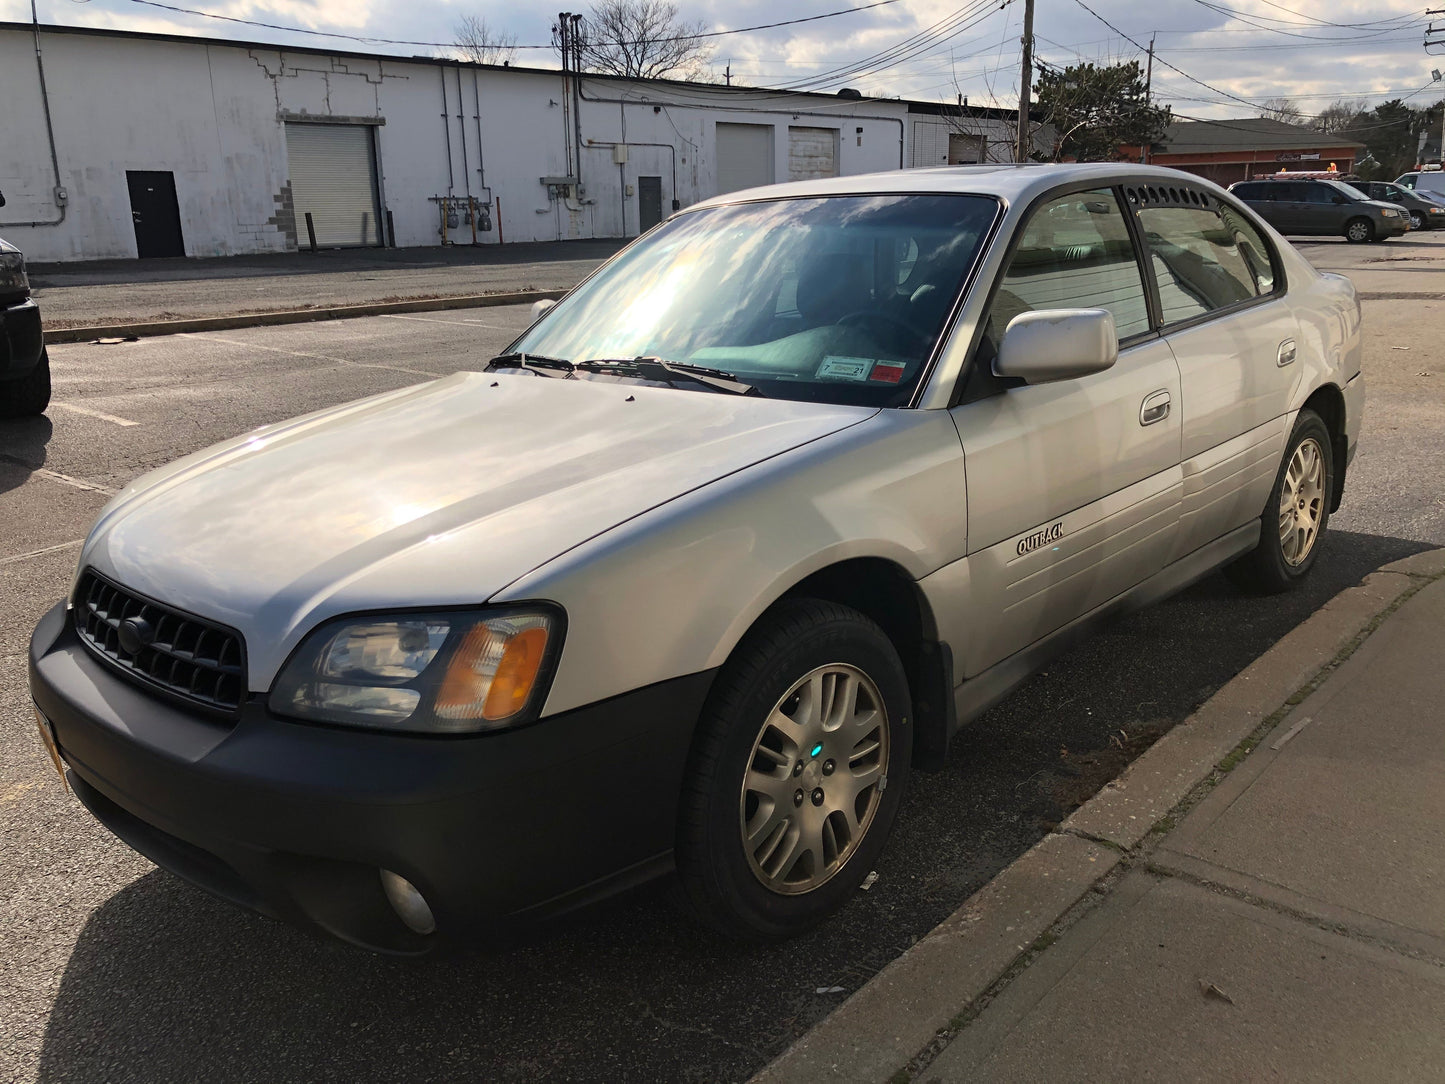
x=1359, y=230
x=1417, y=220
x=796, y=638
x=1264, y=569
x=28, y=395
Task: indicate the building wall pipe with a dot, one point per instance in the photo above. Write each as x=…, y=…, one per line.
x=58, y=192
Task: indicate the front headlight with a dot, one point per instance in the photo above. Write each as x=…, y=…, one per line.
x=12, y=273
x=1435, y=210
x=1389, y=212
x=435, y=673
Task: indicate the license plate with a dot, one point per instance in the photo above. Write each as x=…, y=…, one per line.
x=47, y=736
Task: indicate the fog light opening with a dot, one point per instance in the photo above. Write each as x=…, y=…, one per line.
x=409, y=904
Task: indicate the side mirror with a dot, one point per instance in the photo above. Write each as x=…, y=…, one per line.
x=1057, y=344
x=1338, y=199
x=539, y=307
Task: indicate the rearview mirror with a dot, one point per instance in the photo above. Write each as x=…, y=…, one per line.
x=1057, y=344
x=539, y=307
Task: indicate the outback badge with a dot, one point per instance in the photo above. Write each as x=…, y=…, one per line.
x=1031, y=542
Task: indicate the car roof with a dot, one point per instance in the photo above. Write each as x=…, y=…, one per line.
x=1013, y=183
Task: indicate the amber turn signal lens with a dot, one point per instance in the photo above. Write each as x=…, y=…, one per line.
x=516, y=674
x=493, y=671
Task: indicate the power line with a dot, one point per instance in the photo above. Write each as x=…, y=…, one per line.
x=452, y=44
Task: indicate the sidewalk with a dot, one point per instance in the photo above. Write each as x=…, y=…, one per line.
x=1285, y=920
x=120, y=292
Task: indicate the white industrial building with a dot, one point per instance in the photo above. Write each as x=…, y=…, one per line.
x=119, y=144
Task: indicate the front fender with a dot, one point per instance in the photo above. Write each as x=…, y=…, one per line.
x=672, y=592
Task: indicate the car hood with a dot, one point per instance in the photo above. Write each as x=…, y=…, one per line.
x=438, y=495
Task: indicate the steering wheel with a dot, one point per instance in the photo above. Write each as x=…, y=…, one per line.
x=909, y=334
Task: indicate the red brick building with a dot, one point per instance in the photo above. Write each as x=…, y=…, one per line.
x=1226, y=151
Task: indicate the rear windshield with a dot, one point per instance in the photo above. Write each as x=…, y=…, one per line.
x=835, y=299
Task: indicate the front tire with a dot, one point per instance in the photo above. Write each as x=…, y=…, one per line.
x=28, y=395
x=796, y=776
x=1296, y=515
x=1417, y=220
x=1359, y=230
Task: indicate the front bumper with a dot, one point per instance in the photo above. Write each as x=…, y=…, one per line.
x=21, y=339
x=1393, y=227
x=296, y=821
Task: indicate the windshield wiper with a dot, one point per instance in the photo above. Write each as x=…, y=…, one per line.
x=668, y=372
x=545, y=366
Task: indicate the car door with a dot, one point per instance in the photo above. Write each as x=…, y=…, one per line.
x=1073, y=486
x=1225, y=316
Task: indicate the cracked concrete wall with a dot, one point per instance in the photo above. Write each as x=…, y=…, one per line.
x=214, y=115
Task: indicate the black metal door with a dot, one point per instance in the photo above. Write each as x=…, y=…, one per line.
x=156, y=213
x=649, y=203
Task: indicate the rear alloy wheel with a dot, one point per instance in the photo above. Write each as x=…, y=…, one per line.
x=1358, y=230
x=799, y=768
x=1296, y=515
x=28, y=395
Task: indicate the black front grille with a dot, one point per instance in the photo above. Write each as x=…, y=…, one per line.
x=202, y=662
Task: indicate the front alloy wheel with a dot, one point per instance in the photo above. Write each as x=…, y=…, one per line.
x=799, y=766
x=1359, y=230
x=813, y=780
x=1417, y=220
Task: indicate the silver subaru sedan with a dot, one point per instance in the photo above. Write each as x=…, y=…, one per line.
x=732, y=539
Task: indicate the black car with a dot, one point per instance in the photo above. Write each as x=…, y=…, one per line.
x=1427, y=212
x=1322, y=207
x=24, y=365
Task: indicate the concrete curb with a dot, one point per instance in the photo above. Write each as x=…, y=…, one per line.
x=933, y=987
x=146, y=329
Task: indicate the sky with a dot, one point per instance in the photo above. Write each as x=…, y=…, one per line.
x=1213, y=58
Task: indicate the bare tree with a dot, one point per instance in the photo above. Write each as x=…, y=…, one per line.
x=479, y=43
x=1281, y=109
x=643, y=39
x=1339, y=116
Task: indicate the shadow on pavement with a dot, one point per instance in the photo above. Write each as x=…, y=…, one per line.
x=23, y=445
x=166, y=984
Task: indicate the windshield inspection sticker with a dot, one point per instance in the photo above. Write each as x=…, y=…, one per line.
x=840, y=368
x=887, y=372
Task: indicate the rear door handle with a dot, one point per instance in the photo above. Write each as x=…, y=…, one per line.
x=1155, y=408
x=1286, y=352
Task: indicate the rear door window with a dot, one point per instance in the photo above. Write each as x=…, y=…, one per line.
x=1204, y=258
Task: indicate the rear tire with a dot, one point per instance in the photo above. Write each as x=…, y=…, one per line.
x=1296, y=514
x=28, y=395
x=1359, y=230
x=796, y=776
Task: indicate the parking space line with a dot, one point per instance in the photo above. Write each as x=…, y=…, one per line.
x=78, y=483
x=210, y=337
x=41, y=552
x=89, y=413
x=459, y=323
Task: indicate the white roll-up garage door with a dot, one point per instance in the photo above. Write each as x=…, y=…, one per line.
x=812, y=152
x=744, y=156
x=333, y=176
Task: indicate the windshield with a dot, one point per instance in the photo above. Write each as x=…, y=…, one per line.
x=835, y=299
x=1349, y=189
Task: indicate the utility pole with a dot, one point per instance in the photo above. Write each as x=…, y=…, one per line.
x=1435, y=36
x=728, y=73
x=1148, y=98
x=1026, y=82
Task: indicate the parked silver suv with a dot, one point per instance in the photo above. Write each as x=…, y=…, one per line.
x=729, y=542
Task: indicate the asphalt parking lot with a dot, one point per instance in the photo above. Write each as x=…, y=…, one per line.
x=115, y=971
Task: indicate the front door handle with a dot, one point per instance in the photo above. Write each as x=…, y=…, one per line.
x=1155, y=408
x=1286, y=352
